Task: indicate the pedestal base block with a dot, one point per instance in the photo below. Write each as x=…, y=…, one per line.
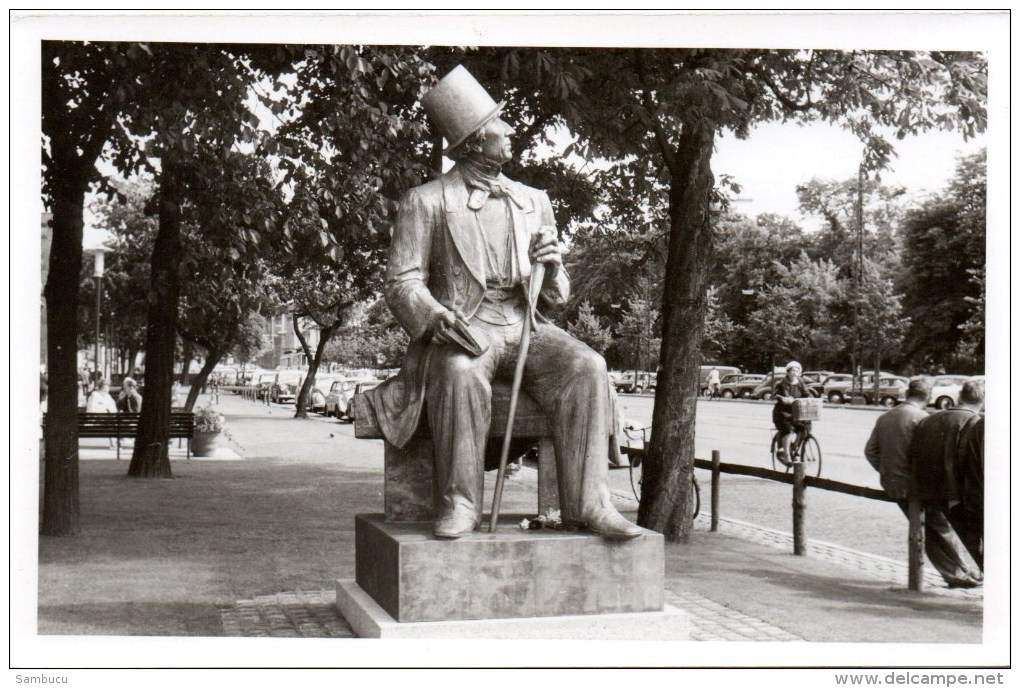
x=369, y=620
x=508, y=574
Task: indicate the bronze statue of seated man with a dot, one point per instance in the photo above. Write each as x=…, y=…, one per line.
x=462, y=252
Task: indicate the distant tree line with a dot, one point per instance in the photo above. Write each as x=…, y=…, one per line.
x=778, y=292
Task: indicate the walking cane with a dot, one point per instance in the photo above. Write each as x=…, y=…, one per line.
x=534, y=287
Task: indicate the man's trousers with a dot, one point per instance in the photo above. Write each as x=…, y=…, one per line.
x=570, y=383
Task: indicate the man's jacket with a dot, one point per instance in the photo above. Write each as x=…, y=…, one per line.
x=934, y=452
x=888, y=446
x=437, y=264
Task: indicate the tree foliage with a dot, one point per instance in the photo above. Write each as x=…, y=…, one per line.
x=720, y=330
x=126, y=277
x=184, y=116
x=661, y=110
x=588, y=328
x=944, y=258
x=371, y=338
x=352, y=148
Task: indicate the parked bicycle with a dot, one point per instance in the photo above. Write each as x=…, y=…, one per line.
x=635, y=432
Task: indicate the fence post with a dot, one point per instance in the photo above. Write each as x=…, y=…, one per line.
x=915, y=546
x=715, y=490
x=799, y=506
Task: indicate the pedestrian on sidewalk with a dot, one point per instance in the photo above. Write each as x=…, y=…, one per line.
x=935, y=457
x=214, y=386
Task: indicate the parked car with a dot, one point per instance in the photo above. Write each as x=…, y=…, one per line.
x=739, y=386
x=836, y=388
x=285, y=386
x=945, y=391
x=359, y=387
x=249, y=377
x=766, y=388
x=812, y=377
x=839, y=387
x=634, y=383
x=339, y=396
x=317, y=397
x=724, y=370
x=891, y=391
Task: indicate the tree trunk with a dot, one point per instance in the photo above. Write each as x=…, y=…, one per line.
x=129, y=364
x=325, y=333
x=151, y=457
x=74, y=145
x=665, y=504
x=211, y=359
x=186, y=355
x=61, y=508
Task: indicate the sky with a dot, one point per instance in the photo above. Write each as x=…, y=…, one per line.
x=776, y=157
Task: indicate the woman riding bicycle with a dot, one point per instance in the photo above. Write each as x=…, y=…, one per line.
x=787, y=391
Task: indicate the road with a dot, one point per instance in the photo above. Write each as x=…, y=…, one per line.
x=742, y=431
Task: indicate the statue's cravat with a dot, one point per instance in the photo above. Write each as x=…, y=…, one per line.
x=484, y=181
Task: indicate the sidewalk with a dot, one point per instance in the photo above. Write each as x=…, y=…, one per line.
x=252, y=546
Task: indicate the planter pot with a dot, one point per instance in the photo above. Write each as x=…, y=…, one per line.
x=204, y=443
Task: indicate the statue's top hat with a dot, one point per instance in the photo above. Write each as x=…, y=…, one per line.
x=459, y=106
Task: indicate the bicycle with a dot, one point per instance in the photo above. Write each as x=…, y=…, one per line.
x=635, y=468
x=803, y=449
x=712, y=392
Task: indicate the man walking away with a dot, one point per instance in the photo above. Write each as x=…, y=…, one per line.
x=887, y=448
x=968, y=517
x=934, y=452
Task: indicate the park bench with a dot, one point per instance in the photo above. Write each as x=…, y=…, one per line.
x=125, y=425
x=408, y=489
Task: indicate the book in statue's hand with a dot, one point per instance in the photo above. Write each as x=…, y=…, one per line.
x=460, y=331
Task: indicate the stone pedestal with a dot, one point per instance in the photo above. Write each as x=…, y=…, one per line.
x=511, y=573
x=508, y=584
x=369, y=620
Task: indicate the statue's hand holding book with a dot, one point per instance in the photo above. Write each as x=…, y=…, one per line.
x=451, y=327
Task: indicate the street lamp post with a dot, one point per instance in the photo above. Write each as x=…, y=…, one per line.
x=857, y=385
x=98, y=274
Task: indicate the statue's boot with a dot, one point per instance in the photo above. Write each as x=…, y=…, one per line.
x=456, y=522
x=611, y=525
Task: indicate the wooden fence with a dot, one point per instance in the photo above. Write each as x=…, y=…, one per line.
x=801, y=482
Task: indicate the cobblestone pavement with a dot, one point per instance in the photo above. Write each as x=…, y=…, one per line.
x=713, y=621
x=299, y=614
x=312, y=613
x=873, y=566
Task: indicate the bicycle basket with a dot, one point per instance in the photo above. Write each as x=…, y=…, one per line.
x=805, y=410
